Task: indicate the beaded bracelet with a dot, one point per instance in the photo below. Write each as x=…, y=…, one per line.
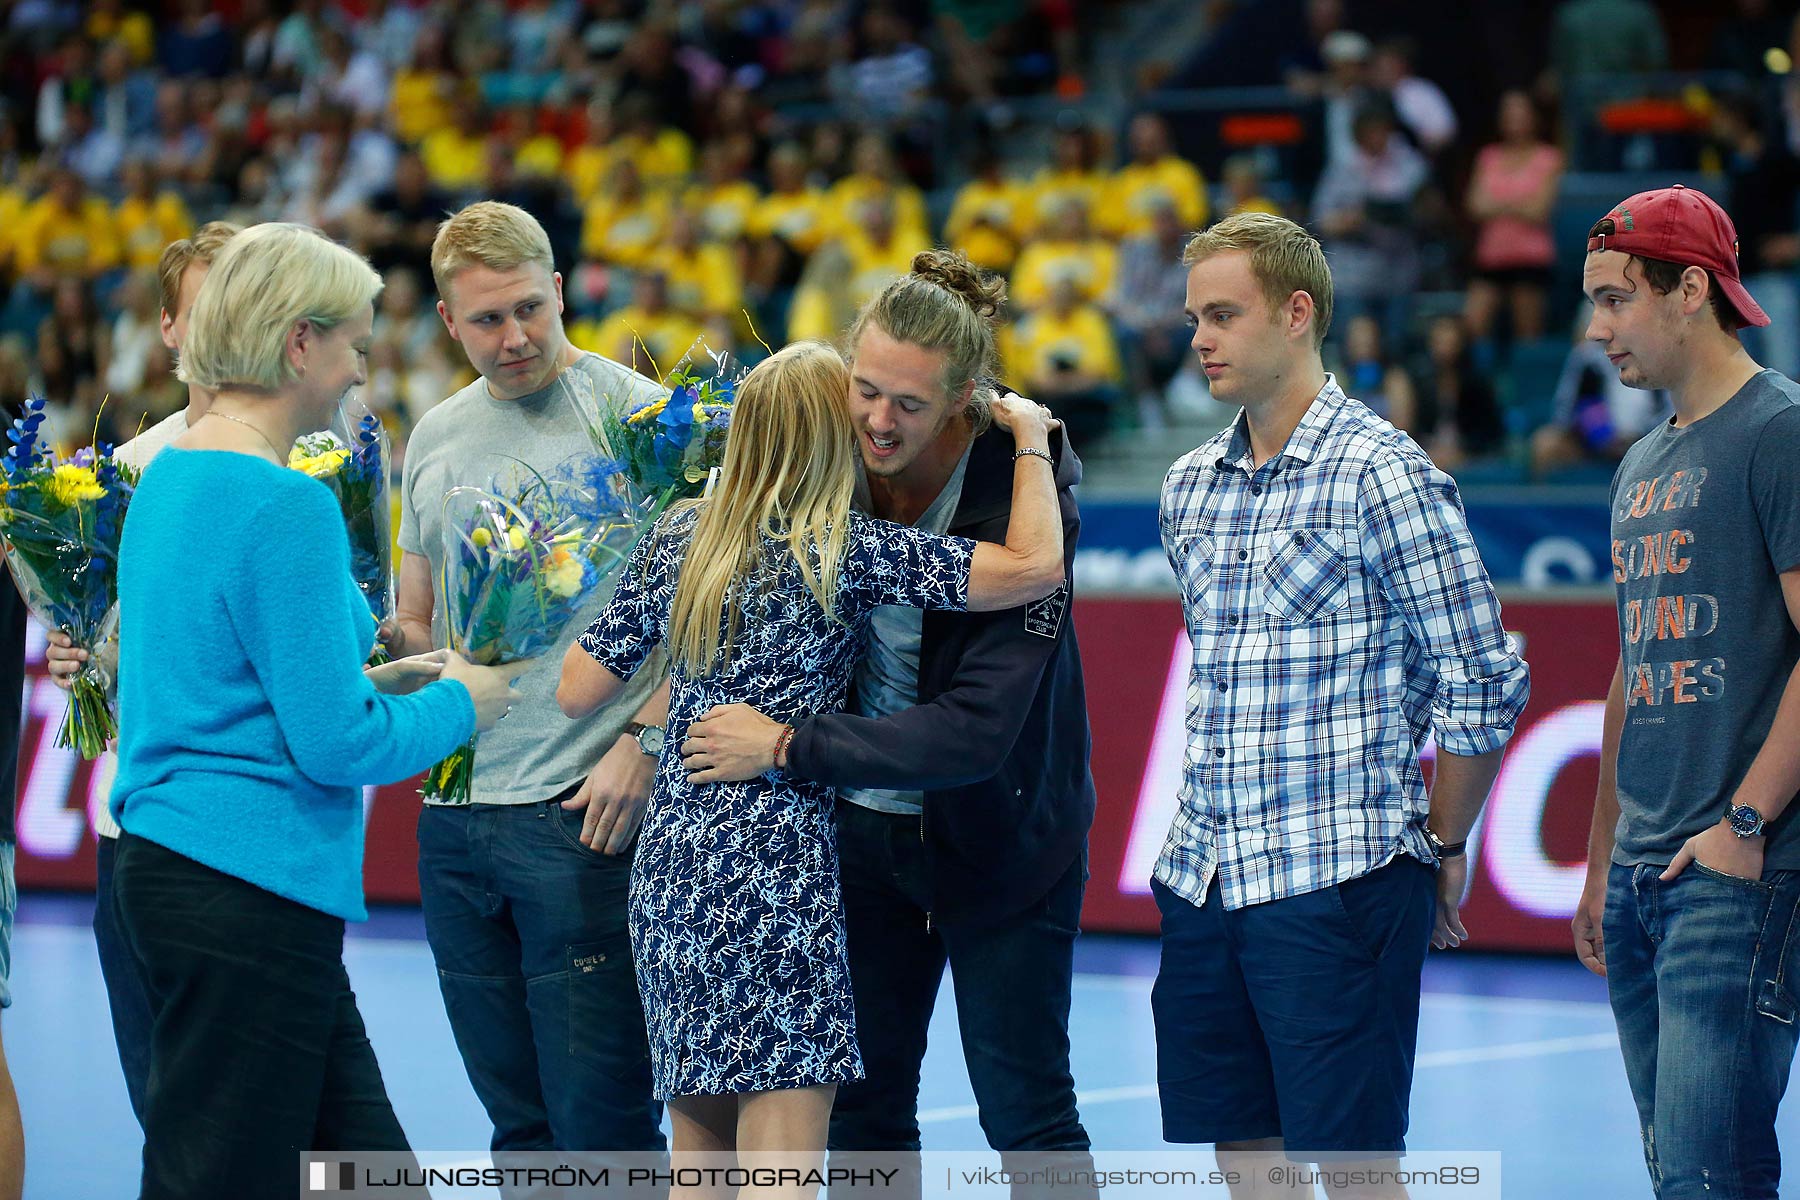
x=781, y=746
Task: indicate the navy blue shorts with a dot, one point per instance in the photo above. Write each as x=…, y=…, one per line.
x=1297, y=1018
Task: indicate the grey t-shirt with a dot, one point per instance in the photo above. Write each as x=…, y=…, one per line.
x=472, y=439
x=1705, y=517
x=887, y=679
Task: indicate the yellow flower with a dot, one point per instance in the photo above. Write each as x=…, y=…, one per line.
x=70, y=483
x=319, y=466
x=481, y=536
x=515, y=537
x=647, y=413
x=563, y=575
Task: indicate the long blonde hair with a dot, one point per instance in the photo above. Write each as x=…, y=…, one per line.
x=789, y=472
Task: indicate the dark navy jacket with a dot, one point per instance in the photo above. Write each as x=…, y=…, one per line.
x=999, y=738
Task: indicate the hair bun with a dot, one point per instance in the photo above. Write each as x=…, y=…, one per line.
x=951, y=270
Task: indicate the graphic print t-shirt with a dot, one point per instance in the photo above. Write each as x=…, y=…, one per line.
x=1705, y=517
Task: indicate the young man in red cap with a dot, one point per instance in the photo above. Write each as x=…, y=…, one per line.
x=1692, y=903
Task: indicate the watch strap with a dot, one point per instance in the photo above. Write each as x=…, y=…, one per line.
x=1445, y=849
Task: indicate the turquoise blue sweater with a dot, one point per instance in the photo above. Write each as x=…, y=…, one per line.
x=246, y=725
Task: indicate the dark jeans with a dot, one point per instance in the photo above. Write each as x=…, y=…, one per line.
x=125, y=993
x=257, y=1052
x=1012, y=979
x=1701, y=972
x=527, y=927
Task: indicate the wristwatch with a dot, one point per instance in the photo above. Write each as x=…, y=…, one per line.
x=650, y=738
x=1444, y=849
x=1745, y=821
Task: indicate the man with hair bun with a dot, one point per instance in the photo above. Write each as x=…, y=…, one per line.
x=962, y=761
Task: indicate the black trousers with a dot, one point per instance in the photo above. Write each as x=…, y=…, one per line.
x=257, y=1052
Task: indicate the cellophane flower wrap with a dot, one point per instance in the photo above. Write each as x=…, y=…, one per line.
x=520, y=563
x=61, y=523
x=352, y=459
x=667, y=447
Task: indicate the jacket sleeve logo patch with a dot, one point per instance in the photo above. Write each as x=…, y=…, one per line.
x=1045, y=617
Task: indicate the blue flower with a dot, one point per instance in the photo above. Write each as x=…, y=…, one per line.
x=677, y=417
x=25, y=451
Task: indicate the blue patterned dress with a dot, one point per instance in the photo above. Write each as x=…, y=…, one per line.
x=737, y=921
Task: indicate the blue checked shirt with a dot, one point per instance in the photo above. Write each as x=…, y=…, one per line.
x=1338, y=613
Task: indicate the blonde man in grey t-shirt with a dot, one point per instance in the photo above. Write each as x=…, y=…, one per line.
x=524, y=889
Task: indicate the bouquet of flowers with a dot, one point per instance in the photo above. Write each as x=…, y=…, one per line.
x=518, y=568
x=354, y=465
x=61, y=523
x=668, y=447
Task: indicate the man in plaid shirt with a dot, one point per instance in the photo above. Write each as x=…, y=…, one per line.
x=1339, y=614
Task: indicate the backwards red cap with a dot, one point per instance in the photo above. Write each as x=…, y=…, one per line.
x=1680, y=225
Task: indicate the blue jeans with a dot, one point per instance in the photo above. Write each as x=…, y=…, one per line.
x=1700, y=972
x=125, y=994
x=527, y=927
x=1012, y=978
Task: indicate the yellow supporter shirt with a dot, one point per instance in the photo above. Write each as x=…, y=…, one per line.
x=623, y=233
x=667, y=336
x=797, y=218
x=12, y=215
x=846, y=196
x=132, y=28
x=1082, y=337
x=1256, y=204
x=1003, y=209
x=455, y=161
x=84, y=242
x=1091, y=264
x=542, y=154
x=417, y=104
x=145, y=227
x=873, y=267
x=663, y=161
x=704, y=282
x=1132, y=194
x=587, y=169
x=725, y=210
x=1050, y=188
x=822, y=307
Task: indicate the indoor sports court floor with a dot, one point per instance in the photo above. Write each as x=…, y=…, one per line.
x=1516, y=1055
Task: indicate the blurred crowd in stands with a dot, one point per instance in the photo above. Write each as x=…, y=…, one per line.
x=748, y=172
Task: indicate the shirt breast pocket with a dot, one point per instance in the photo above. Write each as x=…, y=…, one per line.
x=1196, y=555
x=1307, y=577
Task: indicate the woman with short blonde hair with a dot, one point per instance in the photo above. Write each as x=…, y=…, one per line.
x=238, y=330
x=247, y=731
